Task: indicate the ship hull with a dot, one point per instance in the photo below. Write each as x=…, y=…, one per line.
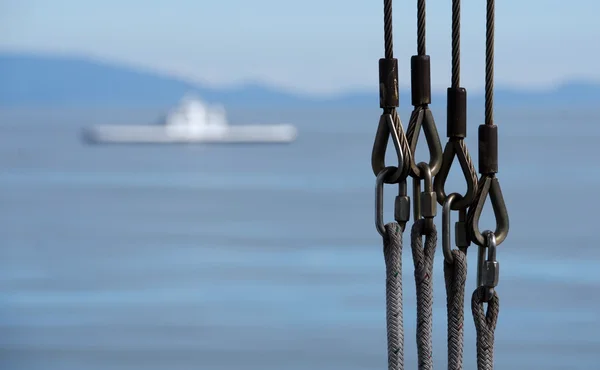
x=113, y=134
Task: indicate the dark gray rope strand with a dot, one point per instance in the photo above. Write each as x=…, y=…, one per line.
x=412, y=122
x=455, y=43
x=455, y=275
x=403, y=141
x=485, y=326
x=421, y=27
x=392, y=252
x=462, y=146
x=423, y=259
x=389, y=53
x=489, y=63
x=387, y=28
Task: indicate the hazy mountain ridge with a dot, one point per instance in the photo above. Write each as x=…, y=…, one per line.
x=45, y=80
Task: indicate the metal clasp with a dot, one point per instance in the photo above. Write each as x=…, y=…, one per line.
x=461, y=238
x=446, y=208
x=488, y=269
x=402, y=205
x=426, y=201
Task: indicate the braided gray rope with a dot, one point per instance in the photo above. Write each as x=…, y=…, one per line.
x=392, y=252
x=485, y=325
x=423, y=260
x=489, y=63
x=455, y=275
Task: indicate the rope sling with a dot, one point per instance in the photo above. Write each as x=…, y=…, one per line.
x=434, y=174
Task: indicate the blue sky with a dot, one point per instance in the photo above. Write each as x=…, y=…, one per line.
x=311, y=46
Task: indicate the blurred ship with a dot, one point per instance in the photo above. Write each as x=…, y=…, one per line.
x=192, y=121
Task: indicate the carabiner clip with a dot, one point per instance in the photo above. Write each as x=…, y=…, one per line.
x=402, y=204
x=426, y=201
x=446, y=245
x=488, y=269
x=461, y=238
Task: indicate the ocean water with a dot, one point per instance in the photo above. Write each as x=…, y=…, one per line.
x=267, y=257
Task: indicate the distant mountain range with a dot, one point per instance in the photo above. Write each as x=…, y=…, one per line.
x=45, y=80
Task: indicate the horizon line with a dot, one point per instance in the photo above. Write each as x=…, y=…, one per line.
x=97, y=59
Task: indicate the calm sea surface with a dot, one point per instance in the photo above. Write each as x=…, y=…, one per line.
x=266, y=257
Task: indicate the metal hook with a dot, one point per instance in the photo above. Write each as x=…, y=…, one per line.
x=423, y=118
x=488, y=269
x=385, y=129
x=417, y=197
x=446, y=209
x=379, y=182
x=461, y=231
x=456, y=147
x=489, y=185
x=425, y=202
x=428, y=180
